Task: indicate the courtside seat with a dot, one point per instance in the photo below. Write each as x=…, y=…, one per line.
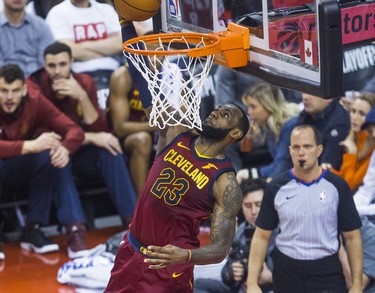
x=94, y=198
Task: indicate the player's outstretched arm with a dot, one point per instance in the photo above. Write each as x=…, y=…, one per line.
x=228, y=200
x=228, y=197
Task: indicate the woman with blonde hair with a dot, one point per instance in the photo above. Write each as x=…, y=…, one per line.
x=272, y=119
x=358, y=145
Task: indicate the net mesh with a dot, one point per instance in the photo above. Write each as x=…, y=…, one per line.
x=175, y=82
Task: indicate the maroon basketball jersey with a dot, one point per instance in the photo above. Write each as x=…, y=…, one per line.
x=137, y=113
x=177, y=196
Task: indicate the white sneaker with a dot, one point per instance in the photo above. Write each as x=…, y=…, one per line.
x=2, y=255
x=76, y=254
x=35, y=240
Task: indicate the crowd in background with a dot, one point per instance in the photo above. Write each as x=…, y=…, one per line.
x=70, y=54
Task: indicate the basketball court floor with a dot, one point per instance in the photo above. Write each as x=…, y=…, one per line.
x=26, y=272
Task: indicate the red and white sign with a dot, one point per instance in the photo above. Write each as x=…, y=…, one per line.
x=358, y=23
x=90, y=32
x=309, y=52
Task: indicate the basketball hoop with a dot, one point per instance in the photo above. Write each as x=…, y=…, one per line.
x=175, y=66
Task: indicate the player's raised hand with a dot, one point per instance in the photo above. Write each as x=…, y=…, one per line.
x=162, y=257
x=45, y=141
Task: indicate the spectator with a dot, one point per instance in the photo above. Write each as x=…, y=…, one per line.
x=312, y=207
x=100, y=157
x=333, y=123
x=358, y=146
x=363, y=200
x=131, y=125
x=234, y=272
x=39, y=8
x=232, y=85
x=368, y=274
x=39, y=159
x=272, y=120
x=23, y=37
x=91, y=29
x=229, y=88
x=365, y=195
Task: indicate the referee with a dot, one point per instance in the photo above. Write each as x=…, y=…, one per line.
x=312, y=208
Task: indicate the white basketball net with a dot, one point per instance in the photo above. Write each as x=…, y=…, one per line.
x=175, y=83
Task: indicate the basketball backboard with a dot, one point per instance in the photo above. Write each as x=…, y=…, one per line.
x=295, y=44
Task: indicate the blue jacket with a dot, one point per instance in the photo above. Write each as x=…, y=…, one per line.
x=279, y=150
x=334, y=125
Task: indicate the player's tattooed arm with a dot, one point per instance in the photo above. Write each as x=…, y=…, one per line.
x=228, y=201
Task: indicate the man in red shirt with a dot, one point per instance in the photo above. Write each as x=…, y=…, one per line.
x=36, y=141
x=101, y=157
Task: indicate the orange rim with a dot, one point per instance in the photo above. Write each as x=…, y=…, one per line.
x=211, y=40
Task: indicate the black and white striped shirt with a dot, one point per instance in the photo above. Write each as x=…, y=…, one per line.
x=310, y=215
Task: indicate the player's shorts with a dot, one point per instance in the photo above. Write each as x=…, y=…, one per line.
x=130, y=274
x=310, y=276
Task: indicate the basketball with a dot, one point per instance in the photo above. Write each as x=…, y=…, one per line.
x=137, y=10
